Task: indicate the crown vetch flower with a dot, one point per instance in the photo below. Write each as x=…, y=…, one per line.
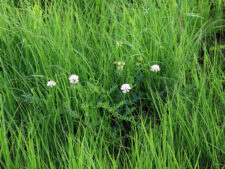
x=155, y=68
x=125, y=88
x=51, y=83
x=120, y=65
x=74, y=79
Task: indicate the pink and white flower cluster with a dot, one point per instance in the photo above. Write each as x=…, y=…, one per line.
x=74, y=79
x=125, y=88
x=51, y=83
x=155, y=68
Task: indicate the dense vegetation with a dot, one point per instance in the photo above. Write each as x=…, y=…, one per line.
x=172, y=118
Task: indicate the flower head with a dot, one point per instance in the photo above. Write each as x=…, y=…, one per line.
x=51, y=83
x=74, y=79
x=120, y=65
x=125, y=88
x=155, y=68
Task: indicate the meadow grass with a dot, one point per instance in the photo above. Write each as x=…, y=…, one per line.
x=173, y=118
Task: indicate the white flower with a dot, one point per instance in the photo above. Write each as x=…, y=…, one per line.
x=155, y=68
x=74, y=79
x=125, y=88
x=51, y=83
x=120, y=65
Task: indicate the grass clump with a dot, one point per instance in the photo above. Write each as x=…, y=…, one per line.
x=172, y=117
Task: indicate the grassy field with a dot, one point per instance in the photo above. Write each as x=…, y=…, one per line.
x=172, y=118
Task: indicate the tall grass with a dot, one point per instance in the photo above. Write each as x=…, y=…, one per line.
x=173, y=118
